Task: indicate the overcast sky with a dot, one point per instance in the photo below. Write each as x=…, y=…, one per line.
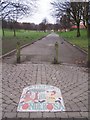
x=43, y=11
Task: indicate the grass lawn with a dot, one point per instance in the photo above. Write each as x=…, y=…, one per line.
x=70, y=36
x=24, y=37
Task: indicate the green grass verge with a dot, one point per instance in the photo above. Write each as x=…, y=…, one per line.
x=81, y=41
x=24, y=37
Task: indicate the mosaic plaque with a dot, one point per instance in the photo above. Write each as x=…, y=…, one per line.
x=41, y=98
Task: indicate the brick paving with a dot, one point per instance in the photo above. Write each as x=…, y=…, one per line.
x=72, y=80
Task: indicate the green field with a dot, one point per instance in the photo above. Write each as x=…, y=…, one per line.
x=70, y=36
x=23, y=36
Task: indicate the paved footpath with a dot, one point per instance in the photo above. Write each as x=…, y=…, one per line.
x=71, y=79
x=44, y=51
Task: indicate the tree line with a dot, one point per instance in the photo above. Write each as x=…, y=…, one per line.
x=67, y=14
x=27, y=26
x=43, y=26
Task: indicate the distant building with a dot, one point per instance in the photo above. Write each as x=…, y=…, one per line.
x=81, y=26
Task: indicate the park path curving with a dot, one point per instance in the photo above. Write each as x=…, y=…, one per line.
x=44, y=51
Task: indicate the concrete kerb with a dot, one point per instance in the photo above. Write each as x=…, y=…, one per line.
x=75, y=46
x=13, y=51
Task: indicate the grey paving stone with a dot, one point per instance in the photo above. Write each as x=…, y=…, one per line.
x=9, y=115
x=80, y=119
x=67, y=119
x=13, y=119
x=61, y=115
x=4, y=119
x=22, y=115
x=48, y=115
x=39, y=119
x=6, y=98
x=74, y=114
x=36, y=115
x=9, y=101
x=10, y=107
x=84, y=114
x=3, y=114
x=14, y=109
x=26, y=119
x=83, y=108
x=0, y=115
x=53, y=119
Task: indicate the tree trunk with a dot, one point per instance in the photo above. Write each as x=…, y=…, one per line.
x=14, y=32
x=88, y=62
x=78, y=29
x=84, y=23
x=88, y=31
x=3, y=31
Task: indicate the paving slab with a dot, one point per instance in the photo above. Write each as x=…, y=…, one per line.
x=75, y=95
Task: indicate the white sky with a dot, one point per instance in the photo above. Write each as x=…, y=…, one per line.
x=43, y=11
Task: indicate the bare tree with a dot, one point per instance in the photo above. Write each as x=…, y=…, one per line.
x=85, y=9
x=43, y=24
x=65, y=22
x=75, y=10
x=14, y=10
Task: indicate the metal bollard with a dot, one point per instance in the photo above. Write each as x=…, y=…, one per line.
x=56, y=49
x=18, y=52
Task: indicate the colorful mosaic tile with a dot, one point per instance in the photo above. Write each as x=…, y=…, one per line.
x=41, y=98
